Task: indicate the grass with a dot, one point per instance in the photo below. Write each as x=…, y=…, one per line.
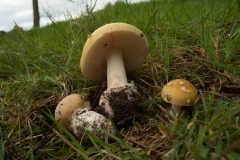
x=195, y=40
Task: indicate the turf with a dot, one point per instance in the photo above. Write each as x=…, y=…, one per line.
x=197, y=40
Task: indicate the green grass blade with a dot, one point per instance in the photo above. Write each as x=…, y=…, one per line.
x=2, y=149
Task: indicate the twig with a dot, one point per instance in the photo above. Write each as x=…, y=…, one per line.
x=11, y=154
x=44, y=141
x=141, y=145
x=107, y=152
x=69, y=144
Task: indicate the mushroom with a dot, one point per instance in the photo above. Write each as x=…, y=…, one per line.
x=110, y=52
x=65, y=108
x=83, y=119
x=179, y=92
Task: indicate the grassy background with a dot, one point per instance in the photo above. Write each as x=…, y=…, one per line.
x=193, y=39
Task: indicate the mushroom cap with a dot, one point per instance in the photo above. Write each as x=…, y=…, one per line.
x=129, y=39
x=179, y=92
x=65, y=108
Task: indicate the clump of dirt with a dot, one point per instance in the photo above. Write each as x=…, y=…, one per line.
x=120, y=104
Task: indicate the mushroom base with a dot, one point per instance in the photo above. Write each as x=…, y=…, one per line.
x=83, y=119
x=120, y=104
x=176, y=109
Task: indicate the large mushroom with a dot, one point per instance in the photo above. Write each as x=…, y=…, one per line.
x=110, y=52
x=179, y=92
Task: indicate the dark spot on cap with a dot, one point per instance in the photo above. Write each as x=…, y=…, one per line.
x=105, y=45
x=141, y=34
x=169, y=98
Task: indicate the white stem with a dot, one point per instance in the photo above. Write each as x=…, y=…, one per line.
x=176, y=109
x=116, y=75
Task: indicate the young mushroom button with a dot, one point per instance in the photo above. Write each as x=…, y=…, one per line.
x=110, y=52
x=179, y=92
x=94, y=122
x=65, y=108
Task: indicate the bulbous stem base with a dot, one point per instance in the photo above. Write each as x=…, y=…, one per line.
x=120, y=104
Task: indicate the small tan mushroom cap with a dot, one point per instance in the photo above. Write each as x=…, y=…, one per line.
x=65, y=108
x=129, y=39
x=179, y=92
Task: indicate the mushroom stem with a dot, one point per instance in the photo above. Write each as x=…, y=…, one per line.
x=116, y=75
x=176, y=109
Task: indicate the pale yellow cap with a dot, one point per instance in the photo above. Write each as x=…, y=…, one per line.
x=179, y=92
x=129, y=39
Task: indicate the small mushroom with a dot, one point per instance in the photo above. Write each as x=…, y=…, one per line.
x=65, y=108
x=110, y=52
x=83, y=119
x=179, y=92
